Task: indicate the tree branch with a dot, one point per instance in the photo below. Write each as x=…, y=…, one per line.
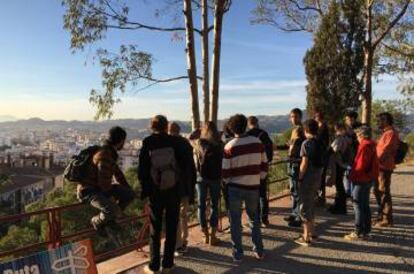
x=306, y=8
x=399, y=51
x=159, y=81
x=392, y=24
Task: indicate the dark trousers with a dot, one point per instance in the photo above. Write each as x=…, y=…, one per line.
x=160, y=202
x=340, y=196
x=322, y=189
x=263, y=208
x=360, y=197
x=294, y=188
x=382, y=191
x=108, y=203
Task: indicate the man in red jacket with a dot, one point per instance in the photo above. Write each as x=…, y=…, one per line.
x=364, y=172
x=386, y=149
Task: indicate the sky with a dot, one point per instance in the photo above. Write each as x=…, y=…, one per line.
x=261, y=68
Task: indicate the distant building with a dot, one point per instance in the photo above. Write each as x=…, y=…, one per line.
x=28, y=181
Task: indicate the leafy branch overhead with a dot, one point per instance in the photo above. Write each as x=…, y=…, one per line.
x=88, y=22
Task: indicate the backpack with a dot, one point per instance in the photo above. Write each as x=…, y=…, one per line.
x=77, y=169
x=210, y=158
x=401, y=152
x=164, y=168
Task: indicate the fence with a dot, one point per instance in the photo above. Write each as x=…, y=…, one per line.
x=55, y=237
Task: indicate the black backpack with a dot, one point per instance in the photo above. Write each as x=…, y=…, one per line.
x=402, y=151
x=77, y=169
x=210, y=158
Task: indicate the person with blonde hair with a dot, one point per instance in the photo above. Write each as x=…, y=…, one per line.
x=208, y=151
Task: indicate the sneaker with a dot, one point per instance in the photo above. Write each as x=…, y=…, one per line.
x=166, y=270
x=147, y=270
x=289, y=218
x=382, y=223
x=259, y=255
x=295, y=223
x=366, y=237
x=181, y=251
x=314, y=237
x=265, y=223
x=237, y=258
x=301, y=241
x=352, y=236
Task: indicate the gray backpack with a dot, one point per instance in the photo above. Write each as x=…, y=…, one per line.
x=163, y=168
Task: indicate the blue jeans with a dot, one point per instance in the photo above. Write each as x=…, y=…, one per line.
x=293, y=171
x=263, y=207
x=360, y=196
x=214, y=187
x=251, y=200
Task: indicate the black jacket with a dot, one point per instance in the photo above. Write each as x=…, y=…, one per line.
x=265, y=139
x=184, y=158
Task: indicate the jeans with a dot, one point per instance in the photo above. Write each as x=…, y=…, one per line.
x=214, y=188
x=293, y=171
x=347, y=184
x=169, y=202
x=182, y=228
x=109, y=203
x=360, y=197
x=382, y=191
x=340, y=196
x=251, y=199
x=263, y=206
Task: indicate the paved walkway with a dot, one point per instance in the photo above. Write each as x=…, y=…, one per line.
x=390, y=250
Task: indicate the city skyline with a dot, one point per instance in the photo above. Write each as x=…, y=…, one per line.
x=42, y=78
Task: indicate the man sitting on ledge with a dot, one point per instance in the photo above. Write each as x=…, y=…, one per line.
x=98, y=190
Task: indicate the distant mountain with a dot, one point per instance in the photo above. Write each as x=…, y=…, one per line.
x=273, y=124
x=7, y=118
x=139, y=127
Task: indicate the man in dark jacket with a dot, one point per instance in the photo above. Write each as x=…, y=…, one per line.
x=256, y=131
x=161, y=161
x=324, y=138
x=98, y=189
x=187, y=189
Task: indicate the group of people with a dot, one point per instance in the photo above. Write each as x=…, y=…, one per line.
x=234, y=163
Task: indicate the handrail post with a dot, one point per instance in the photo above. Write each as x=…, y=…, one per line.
x=54, y=236
x=145, y=227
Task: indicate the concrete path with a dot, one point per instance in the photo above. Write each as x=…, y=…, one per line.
x=390, y=250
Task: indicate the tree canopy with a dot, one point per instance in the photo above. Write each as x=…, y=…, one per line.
x=334, y=64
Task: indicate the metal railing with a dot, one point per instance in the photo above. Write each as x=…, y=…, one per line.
x=55, y=237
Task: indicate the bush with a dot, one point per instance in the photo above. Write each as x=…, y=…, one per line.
x=409, y=139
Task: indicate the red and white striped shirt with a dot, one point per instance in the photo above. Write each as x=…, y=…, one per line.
x=244, y=163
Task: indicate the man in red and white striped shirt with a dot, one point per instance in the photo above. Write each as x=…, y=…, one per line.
x=244, y=165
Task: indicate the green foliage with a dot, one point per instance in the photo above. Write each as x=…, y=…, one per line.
x=87, y=22
x=406, y=89
x=393, y=107
x=409, y=139
x=129, y=67
x=18, y=236
x=283, y=139
x=334, y=64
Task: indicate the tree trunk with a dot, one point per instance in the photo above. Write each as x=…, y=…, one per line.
x=191, y=63
x=368, y=63
x=205, y=56
x=367, y=97
x=218, y=24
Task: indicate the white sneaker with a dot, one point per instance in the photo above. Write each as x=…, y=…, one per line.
x=147, y=270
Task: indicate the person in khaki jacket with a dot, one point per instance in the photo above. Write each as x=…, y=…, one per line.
x=98, y=189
